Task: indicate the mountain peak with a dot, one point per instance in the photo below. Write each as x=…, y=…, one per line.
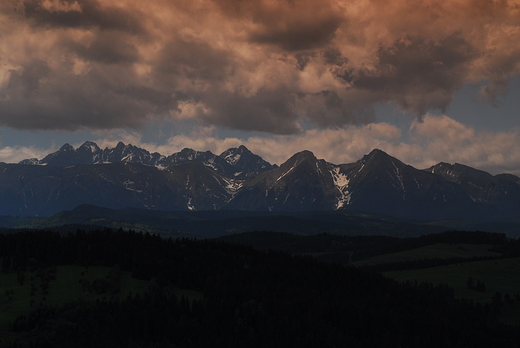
x=245, y=164
x=235, y=150
x=89, y=146
x=298, y=158
x=120, y=145
x=186, y=154
x=187, y=150
x=305, y=154
x=377, y=156
x=234, y=154
x=242, y=148
x=66, y=147
x=377, y=153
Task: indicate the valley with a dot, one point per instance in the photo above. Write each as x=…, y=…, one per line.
x=145, y=249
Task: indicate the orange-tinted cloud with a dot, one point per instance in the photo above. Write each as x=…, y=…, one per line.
x=259, y=65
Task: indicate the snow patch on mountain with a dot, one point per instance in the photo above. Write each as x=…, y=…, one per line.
x=128, y=158
x=128, y=186
x=287, y=172
x=189, y=205
x=233, y=186
x=211, y=164
x=399, y=179
x=341, y=182
x=31, y=162
x=233, y=158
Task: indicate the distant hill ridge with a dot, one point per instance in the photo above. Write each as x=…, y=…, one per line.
x=237, y=179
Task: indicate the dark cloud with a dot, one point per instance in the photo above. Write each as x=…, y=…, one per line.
x=418, y=74
x=106, y=47
x=302, y=59
x=27, y=82
x=292, y=25
x=41, y=99
x=329, y=108
x=196, y=72
x=193, y=60
x=333, y=56
x=91, y=14
x=267, y=111
x=298, y=35
x=249, y=65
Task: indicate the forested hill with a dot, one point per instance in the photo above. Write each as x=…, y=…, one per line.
x=249, y=298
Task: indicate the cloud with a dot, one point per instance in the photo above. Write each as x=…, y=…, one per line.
x=419, y=74
x=429, y=141
x=15, y=154
x=82, y=14
x=250, y=65
x=444, y=139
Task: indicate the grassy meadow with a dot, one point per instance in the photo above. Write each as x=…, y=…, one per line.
x=500, y=275
x=433, y=251
x=67, y=283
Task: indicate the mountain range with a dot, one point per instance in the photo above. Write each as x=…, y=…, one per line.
x=128, y=176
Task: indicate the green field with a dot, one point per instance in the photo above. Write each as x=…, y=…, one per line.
x=67, y=286
x=438, y=250
x=500, y=275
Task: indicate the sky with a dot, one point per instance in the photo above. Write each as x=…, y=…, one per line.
x=424, y=80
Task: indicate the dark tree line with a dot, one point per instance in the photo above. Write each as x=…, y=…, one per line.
x=251, y=298
x=424, y=263
x=344, y=249
x=477, y=286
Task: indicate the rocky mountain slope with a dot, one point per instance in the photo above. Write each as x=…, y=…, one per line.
x=239, y=163
x=237, y=179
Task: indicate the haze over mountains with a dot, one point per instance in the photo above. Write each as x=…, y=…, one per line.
x=237, y=179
